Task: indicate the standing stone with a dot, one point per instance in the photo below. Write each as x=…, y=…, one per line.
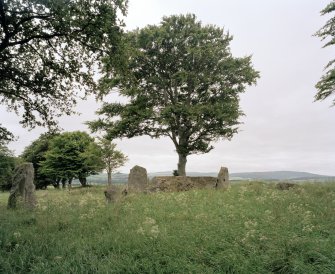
x=23, y=185
x=111, y=194
x=138, y=179
x=223, y=178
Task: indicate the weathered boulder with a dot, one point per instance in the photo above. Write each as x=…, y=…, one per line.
x=285, y=185
x=223, y=178
x=138, y=179
x=23, y=186
x=181, y=183
x=113, y=194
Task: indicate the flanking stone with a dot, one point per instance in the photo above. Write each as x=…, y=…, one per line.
x=285, y=185
x=181, y=183
x=23, y=186
x=223, y=178
x=138, y=179
x=113, y=194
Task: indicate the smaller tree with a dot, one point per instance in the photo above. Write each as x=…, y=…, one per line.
x=35, y=153
x=326, y=85
x=111, y=157
x=72, y=155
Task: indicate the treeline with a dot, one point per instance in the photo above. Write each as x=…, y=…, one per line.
x=58, y=158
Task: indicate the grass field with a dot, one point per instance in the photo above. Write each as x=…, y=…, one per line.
x=251, y=228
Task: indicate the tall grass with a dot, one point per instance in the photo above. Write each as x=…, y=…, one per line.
x=251, y=228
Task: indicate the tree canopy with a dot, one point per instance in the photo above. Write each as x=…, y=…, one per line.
x=7, y=165
x=49, y=51
x=326, y=85
x=35, y=153
x=72, y=155
x=181, y=81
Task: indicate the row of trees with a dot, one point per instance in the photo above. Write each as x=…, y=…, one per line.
x=60, y=158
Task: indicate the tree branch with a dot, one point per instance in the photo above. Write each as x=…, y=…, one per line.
x=31, y=18
x=45, y=36
x=4, y=26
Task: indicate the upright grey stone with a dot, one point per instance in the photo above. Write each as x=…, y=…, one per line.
x=138, y=179
x=111, y=194
x=223, y=178
x=23, y=185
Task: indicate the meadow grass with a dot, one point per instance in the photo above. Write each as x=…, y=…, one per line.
x=251, y=228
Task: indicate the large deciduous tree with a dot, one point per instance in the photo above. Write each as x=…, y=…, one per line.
x=326, y=85
x=48, y=52
x=72, y=155
x=181, y=81
x=111, y=157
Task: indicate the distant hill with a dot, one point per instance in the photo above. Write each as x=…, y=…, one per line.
x=119, y=178
x=281, y=175
x=267, y=175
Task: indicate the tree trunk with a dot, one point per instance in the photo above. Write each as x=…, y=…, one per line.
x=55, y=183
x=64, y=183
x=83, y=181
x=109, y=180
x=182, y=165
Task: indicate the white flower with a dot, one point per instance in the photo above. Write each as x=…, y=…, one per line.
x=154, y=231
x=17, y=234
x=149, y=221
x=140, y=231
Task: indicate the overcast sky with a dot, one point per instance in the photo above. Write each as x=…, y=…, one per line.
x=283, y=128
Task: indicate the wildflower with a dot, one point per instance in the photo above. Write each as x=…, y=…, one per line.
x=154, y=231
x=250, y=224
x=149, y=221
x=17, y=234
x=263, y=238
x=308, y=228
x=83, y=216
x=82, y=202
x=201, y=216
x=140, y=230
